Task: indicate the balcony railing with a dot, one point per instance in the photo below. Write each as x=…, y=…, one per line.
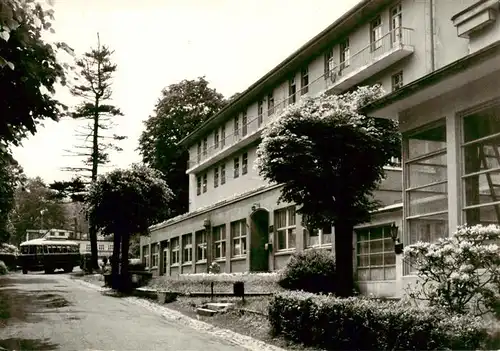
x=390, y=47
x=255, y=123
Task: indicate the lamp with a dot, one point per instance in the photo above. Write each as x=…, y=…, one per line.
x=255, y=207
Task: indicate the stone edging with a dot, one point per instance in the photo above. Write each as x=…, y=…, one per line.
x=238, y=339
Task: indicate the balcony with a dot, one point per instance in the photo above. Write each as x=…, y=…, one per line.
x=377, y=56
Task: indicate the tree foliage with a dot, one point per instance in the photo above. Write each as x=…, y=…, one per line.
x=180, y=109
x=36, y=208
x=11, y=176
x=29, y=70
x=330, y=159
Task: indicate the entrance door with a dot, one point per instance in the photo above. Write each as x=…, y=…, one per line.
x=166, y=261
x=259, y=256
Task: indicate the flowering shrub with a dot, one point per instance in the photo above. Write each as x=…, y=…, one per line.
x=223, y=282
x=214, y=268
x=8, y=249
x=460, y=273
x=362, y=324
x=311, y=270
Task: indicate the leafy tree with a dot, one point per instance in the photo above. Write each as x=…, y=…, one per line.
x=181, y=108
x=330, y=159
x=125, y=202
x=29, y=70
x=11, y=175
x=35, y=208
x=96, y=71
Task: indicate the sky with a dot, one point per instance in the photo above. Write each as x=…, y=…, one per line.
x=156, y=43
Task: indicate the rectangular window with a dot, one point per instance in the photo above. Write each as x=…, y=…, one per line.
x=270, y=104
x=244, y=163
x=426, y=185
x=223, y=174
x=87, y=247
x=345, y=54
x=222, y=136
x=205, y=183
x=154, y=256
x=198, y=185
x=396, y=24
x=175, y=251
x=304, y=80
x=260, y=113
x=328, y=59
x=236, y=126
x=236, y=167
x=110, y=247
x=216, y=139
x=319, y=237
x=481, y=171
x=244, y=123
x=100, y=247
x=205, y=146
x=375, y=255
x=187, y=248
x=201, y=246
x=292, y=89
x=376, y=33
x=397, y=81
x=284, y=222
x=145, y=255
x=239, y=238
x=199, y=151
x=219, y=246
x=216, y=177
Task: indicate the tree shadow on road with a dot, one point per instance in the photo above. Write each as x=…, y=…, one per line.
x=27, y=344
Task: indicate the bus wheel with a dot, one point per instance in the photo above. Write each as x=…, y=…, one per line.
x=49, y=270
x=68, y=269
x=25, y=271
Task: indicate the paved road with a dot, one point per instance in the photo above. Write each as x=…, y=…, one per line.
x=61, y=314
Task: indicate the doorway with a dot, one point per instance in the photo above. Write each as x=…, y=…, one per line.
x=259, y=256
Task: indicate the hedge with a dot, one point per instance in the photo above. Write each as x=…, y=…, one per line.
x=223, y=282
x=363, y=324
x=10, y=260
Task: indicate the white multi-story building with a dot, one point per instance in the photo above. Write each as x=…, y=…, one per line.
x=234, y=212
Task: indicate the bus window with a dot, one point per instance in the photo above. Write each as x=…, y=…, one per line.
x=32, y=249
x=45, y=249
x=65, y=249
x=24, y=249
x=39, y=250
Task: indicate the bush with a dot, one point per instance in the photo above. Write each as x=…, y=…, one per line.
x=10, y=260
x=3, y=268
x=362, y=324
x=460, y=273
x=311, y=270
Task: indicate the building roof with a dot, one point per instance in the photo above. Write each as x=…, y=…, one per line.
x=430, y=79
x=43, y=241
x=314, y=47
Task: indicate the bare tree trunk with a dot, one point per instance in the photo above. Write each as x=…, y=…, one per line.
x=124, y=273
x=115, y=261
x=344, y=258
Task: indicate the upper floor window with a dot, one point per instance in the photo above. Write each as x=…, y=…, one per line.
x=260, y=112
x=236, y=167
x=216, y=139
x=304, y=80
x=244, y=163
x=345, y=54
x=292, y=89
x=223, y=135
x=376, y=33
x=236, y=126
x=216, y=177
x=285, y=224
x=199, y=151
x=244, y=123
x=222, y=174
x=397, y=80
x=396, y=23
x=205, y=183
x=198, y=185
x=270, y=104
x=328, y=59
x=205, y=146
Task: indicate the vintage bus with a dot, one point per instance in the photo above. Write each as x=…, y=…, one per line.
x=49, y=255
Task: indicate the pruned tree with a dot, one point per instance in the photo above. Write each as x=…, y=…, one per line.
x=180, y=109
x=125, y=202
x=330, y=159
x=96, y=140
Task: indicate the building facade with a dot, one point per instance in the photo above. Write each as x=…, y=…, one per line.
x=234, y=217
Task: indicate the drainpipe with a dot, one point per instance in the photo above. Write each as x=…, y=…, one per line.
x=432, y=29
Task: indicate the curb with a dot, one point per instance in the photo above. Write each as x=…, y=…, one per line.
x=238, y=339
